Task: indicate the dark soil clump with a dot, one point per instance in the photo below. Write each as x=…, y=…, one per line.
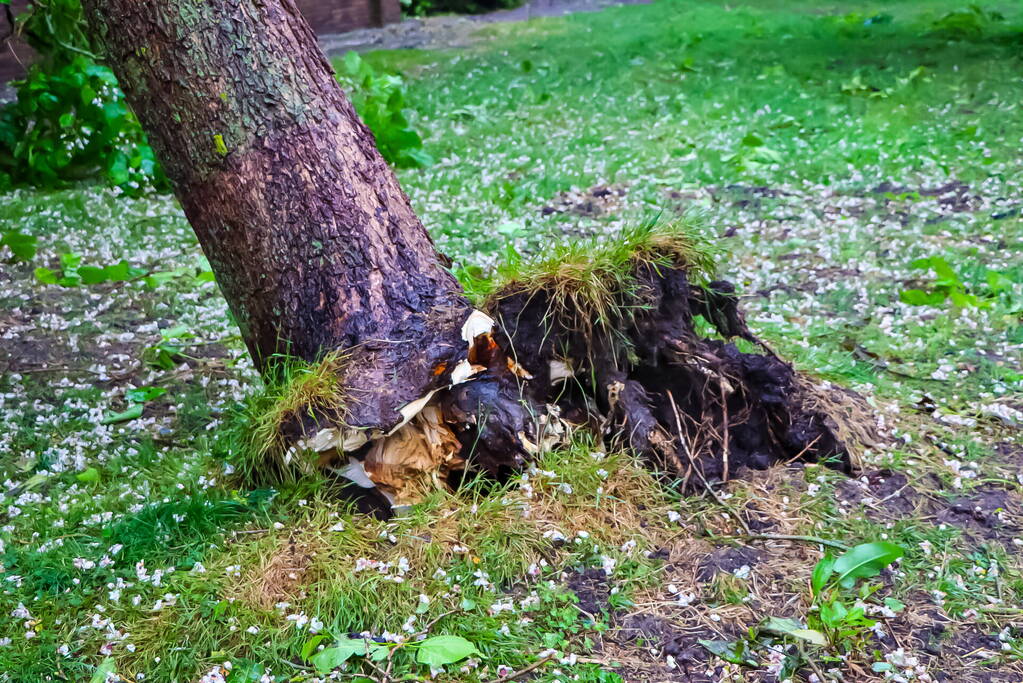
x=697, y=408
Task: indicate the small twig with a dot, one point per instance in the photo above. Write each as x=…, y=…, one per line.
x=813, y=664
x=724, y=435
x=788, y=537
x=522, y=672
x=426, y=629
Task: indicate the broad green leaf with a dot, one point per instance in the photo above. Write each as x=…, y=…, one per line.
x=440, y=650
x=918, y=297
x=176, y=332
x=734, y=651
x=330, y=658
x=821, y=573
x=118, y=272
x=864, y=561
x=790, y=627
x=46, y=276
x=103, y=671
x=143, y=394
x=92, y=275
x=352, y=62
x=129, y=414
x=833, y=614
x=894, y=605
x=155, y=280
x=245, y=671
x=310, y=646
x=88, y=476
x=21, y=245
x=70, y=262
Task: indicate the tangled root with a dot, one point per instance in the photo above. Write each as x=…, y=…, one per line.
x=696, y=408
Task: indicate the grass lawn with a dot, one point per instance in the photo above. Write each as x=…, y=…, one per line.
x=859, y=166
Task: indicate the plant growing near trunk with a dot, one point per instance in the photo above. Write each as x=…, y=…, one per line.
x=69, y=120
x=380, y=101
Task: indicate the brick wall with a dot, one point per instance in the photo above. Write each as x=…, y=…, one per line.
x=325, y=16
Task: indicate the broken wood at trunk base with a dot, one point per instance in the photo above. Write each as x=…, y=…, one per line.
x=318, y=251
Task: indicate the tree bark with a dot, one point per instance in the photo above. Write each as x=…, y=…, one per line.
x=313, y=243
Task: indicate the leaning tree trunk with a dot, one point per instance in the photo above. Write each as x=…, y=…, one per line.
x=317, y=250
x=312, y=241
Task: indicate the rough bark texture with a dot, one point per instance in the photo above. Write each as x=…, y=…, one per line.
x=312, y=241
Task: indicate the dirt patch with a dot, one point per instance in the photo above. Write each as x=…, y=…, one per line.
x=954, y=196
x=440, y=32
x=727, y=561
x=591, y=587
x=989, y=513
x=662, y=651
x=886, y=494
x=595, y=202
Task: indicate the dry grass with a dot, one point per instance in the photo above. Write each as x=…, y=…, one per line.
x=283, y=573
x=592, y=287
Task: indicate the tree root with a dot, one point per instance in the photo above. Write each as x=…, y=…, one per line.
x=696, y=407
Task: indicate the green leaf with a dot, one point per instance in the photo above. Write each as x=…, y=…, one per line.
x=352, y=62
x=752, y=140
x=894, y=605
x=144, y=394
x=105, y=668
x=918, y=297
x=821, y=573
x=176, y=332
x=330, y=658
x=88, y=476
x=440, y=650
x=92, y=275
x=864, y=561
x=790, y=627
x=155, y=280
x=119, y=272
x=69, y=262
x=22, y=246
x=833, y=614
x=245, y=671
x=46, y=276
x=734, y=651
x=129, y=414
x=310, y=646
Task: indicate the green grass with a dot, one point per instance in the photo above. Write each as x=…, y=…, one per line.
x=807, y=136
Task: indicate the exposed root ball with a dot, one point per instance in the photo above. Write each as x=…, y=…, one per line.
x=697, y=408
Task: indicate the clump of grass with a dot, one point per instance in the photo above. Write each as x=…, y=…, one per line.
x=595, y=286
x=263, y=430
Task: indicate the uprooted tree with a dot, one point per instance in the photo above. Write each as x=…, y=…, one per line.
x=320, y=256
